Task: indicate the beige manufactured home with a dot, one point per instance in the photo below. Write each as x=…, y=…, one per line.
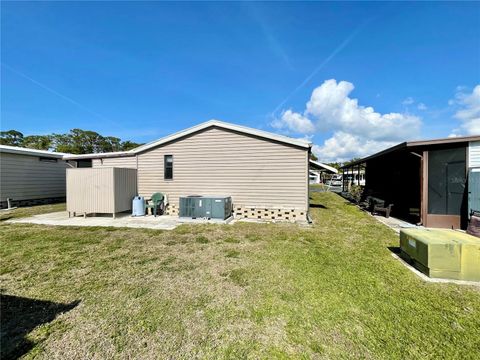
x=29, y=176
x=265, y=174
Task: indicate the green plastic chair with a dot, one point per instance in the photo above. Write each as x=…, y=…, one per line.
x=154, y=203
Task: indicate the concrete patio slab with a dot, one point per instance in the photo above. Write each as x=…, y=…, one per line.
x=395, y=224
x=163, y=222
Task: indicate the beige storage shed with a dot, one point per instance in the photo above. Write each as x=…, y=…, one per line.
x=107, y=190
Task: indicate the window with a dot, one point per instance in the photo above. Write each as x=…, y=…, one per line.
x=168, y=167
x=45, y=159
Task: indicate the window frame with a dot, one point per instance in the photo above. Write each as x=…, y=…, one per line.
x=165, y=167
x=47, y=159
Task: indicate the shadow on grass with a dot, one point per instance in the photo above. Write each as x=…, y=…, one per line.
x=20, y=316
x=318, y=206
x=394, y=249
x=5, y=218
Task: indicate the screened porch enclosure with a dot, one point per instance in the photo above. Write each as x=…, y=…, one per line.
x=447, y=193
x=426, y=183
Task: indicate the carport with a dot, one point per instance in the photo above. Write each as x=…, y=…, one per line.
x=321, y=169
x=427, y=181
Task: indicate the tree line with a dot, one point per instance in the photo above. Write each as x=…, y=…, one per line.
x=77, y=141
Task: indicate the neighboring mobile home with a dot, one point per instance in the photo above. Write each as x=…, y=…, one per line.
x=432, y=182
x=265, y=174
x=29, y=176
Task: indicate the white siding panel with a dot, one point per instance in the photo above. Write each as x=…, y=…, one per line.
x=25, y=177
x=474, y=154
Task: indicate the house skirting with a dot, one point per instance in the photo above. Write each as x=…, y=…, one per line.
x=171, y=209
x=258, y=213
x=32, y=202
x=269, y=213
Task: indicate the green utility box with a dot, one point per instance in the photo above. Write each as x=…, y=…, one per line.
x=211, y=207
x=442, y=253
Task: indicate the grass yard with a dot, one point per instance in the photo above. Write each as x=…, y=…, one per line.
x=247, y=290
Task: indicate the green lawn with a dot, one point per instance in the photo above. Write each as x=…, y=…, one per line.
x=247, y=290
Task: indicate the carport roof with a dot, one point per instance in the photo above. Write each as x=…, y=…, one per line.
x=321, y=166
x=416, y=143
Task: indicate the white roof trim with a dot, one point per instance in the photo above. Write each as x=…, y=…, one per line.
x=199, y=127
x=98, y=155
x=326, y=167
x=32, y=152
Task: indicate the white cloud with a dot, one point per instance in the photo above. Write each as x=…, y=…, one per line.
x=344, y=146
x=294, y=122
x=358, y=130
x=422, y=106
x=408, y=101
x=468, y=111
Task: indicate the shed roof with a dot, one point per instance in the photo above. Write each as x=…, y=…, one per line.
x=194, y=129
x=417, y=143
x=32, y=152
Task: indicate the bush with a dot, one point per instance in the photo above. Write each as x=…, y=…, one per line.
x=356, y=191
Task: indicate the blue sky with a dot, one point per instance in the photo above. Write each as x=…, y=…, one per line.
x=140, y=71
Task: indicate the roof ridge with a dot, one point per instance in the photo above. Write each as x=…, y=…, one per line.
x=202, y=126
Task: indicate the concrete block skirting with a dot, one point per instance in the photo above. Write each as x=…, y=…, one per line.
x=171, y=209
x=32, y=202
x=257, y=213
x=269, y=214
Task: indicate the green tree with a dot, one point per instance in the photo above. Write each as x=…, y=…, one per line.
x=129, y=145
x=86, y=141
x=62, y=143
x=111, y=143
x=351, y=161
x=313, y=157
x=77, y=141
x=11, y=137
x=336, y=165
x=40, y=142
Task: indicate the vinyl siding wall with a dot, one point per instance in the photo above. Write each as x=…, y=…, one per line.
x=124, y=162
x=25, y=177
x=474, y=154
x=254, y=171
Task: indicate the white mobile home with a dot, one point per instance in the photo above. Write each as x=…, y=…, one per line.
x=29, y=176
x=265, y=174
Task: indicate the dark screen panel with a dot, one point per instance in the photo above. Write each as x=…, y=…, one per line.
x=446, y=181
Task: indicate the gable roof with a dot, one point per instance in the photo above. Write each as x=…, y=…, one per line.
x=197, y=128
x=32, y=152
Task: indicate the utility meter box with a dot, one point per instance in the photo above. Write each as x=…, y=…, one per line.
x=442, y=253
